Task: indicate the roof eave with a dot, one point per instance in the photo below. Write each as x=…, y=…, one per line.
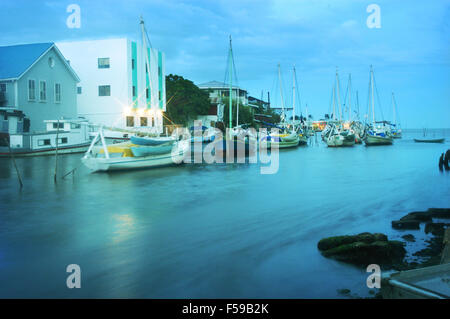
x=75, y=76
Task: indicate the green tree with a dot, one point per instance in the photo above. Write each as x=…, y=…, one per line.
x=245, y=114
x=185, y=101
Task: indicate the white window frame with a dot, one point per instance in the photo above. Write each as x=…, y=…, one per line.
x=28, y=89
x=56, y=101
x=45, y=91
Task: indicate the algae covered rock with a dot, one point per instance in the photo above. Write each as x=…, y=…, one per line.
x=363, y=249
x=418, y=216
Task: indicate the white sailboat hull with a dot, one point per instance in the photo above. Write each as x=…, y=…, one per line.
x=335, y=141
x=371, y=140
x=97, y=164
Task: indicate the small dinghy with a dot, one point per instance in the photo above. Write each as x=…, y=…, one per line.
x=151, y=150
x=151, y=141
x=429, y=140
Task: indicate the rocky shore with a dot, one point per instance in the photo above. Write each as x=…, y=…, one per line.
x=375, y=248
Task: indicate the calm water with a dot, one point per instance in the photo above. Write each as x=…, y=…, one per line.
x=208, y=231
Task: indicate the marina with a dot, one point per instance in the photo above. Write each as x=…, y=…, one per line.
x=225, y=157
x=261, y=244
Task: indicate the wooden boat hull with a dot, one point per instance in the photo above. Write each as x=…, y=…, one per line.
x=372, y=140
x=433, y=140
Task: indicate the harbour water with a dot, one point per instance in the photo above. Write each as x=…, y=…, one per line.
x=208, y=231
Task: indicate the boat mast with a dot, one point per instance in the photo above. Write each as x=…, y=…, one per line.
x=237, y=107
x=338, y=95
x=357, y=105
x=350, y=97
x=147, y=60
x=230, y=57
x=334, y=102
x=372, y=100
x=393, y=107
x=293, y=98
x=281, y=92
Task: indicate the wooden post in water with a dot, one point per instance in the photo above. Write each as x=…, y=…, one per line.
x=14, y=162
x=56, y=151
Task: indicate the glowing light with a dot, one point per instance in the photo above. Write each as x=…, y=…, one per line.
x=127, y=110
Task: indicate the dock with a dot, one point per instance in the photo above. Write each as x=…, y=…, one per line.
x=424, y=283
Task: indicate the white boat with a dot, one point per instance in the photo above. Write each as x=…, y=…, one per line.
x=379, y=133
x=152, y=141
x=289, y=137
x=338, y=132
x=64, y=136
x=121, y=156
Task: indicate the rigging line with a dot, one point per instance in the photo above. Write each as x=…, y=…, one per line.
x=366, y=116
x=331, y=101
x=378, y=98
x=298, y=93
x=396, y=111
x=345, y=98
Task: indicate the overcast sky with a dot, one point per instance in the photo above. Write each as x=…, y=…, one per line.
x=410, y=52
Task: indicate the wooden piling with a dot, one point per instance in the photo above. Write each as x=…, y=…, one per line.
x=56, y=151
x=14, y=162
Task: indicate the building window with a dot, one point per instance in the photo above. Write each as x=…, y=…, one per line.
x=134, y=91
x=55, y=125
x=51, y=62
x=133, y=64
x=79, y=90
x=42, y=91
x=62, y=140
x=43, y=142
x=144, y=121
x=104, y=90
x=31, y=90
x=74, y=126
x=130, y=121
x=103, y=63
x=57, y=92
x=3, y=87
x=146, y=93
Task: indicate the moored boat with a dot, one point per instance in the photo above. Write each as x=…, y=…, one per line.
x=151, y=141
x=126, y=155
x=429, y=140
x=377, y=134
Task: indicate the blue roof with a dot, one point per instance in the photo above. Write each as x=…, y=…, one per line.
x=16, y=59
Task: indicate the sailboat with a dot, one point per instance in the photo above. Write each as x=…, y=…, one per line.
x=236, y=141
x=140, y=152
x=426, y=139
x=396, y=131
x=356, y=125
x=287, y=137
x=301, y=131
x=337, y=134
x=377, y=134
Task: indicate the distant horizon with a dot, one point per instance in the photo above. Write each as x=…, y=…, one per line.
x=411, y=56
